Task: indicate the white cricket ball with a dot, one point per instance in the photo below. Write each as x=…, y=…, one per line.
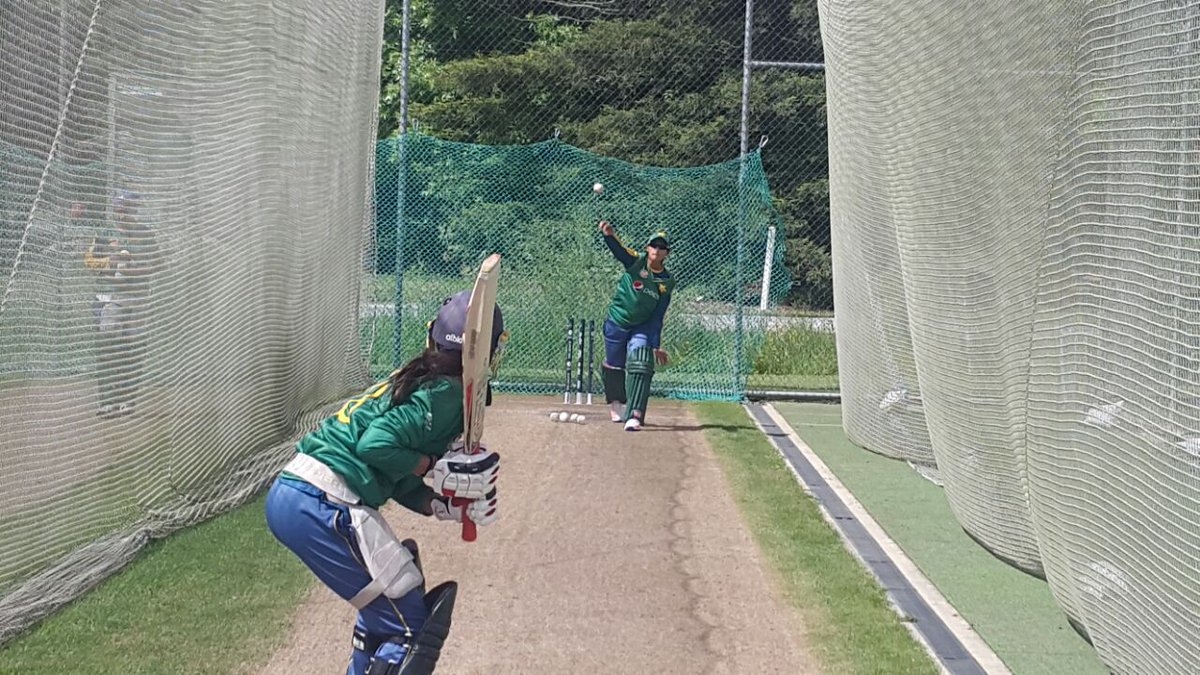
x=553, y=417
x=563, y=417
x=580, y=419
x=574, y=417
x=598, y=188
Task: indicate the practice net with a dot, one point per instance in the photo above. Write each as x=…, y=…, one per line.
x=184, y=223
x=1016, y=193
x=446, y=205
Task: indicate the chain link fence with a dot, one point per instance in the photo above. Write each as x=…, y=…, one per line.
x=657, y=84
x=442, y=206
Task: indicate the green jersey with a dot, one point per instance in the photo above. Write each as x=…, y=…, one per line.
x=375, y=446
x=642, y=295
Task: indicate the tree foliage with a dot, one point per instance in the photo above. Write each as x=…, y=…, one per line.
x=648, y=81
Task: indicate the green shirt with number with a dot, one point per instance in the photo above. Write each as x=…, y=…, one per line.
x=375, y=446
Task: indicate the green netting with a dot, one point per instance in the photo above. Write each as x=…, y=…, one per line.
x=447, y=205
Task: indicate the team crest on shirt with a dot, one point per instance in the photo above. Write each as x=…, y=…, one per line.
x=662, y=289
x=637, y=285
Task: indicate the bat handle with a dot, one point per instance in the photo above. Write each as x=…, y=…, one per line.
x=468, y=525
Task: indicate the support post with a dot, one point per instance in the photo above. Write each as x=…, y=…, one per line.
x=739, y=336
x=401, y=171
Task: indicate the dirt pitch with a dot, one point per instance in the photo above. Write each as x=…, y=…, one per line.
x=615, y=553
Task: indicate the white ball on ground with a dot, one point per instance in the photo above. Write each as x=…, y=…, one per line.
x=563, y=417
x=598, y=188
x=554, y=417
x=580, y=419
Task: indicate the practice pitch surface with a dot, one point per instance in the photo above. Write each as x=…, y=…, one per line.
x=615, y=552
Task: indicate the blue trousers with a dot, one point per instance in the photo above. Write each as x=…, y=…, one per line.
x=618, y=342
x=318, y=531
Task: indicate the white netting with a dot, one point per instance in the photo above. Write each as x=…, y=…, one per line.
x=183, y=219
x=872, y=323
x=1039, y=167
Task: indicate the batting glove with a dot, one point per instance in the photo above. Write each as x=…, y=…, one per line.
x=481, y=511
x=464, y=476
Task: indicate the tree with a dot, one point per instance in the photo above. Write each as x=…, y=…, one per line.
x=654, y=82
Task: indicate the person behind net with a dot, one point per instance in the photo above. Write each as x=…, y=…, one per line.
x=633, y=329
x=380, y=446
x=126, y=264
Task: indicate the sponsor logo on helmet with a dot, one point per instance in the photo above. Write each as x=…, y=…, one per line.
x=456, y=339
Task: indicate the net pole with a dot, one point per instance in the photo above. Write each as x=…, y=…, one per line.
x=398, y=311
x=405, y=51
x=739, y=337
x=401, y=170
x=747, y=36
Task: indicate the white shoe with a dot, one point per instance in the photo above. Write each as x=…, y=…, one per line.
x=634, y=424
x=616, y=411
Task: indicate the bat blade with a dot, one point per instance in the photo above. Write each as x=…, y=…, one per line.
x=476, y=355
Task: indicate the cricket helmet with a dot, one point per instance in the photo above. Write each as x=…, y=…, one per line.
x=446, y=330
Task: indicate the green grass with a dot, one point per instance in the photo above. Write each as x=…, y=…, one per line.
x=790, y=359
x=850, y=625
x=216, y=598
x=797, y=352
x=815, y=383
x=381, y=288
x=1012, y=611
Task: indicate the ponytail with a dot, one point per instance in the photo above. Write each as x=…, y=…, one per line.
x=429, y=365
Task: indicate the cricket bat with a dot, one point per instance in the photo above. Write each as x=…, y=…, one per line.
x=476, y=356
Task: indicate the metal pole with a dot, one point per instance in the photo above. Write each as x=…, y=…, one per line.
x=398, y=266
x=401, y=171
x=790, y=65
x=739, y=342
x=746, y=68
x=768, y=262
x=405, y=43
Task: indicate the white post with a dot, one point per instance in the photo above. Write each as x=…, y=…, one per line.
x=768, y=261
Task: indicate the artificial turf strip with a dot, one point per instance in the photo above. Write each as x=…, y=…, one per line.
x=1012, y=611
